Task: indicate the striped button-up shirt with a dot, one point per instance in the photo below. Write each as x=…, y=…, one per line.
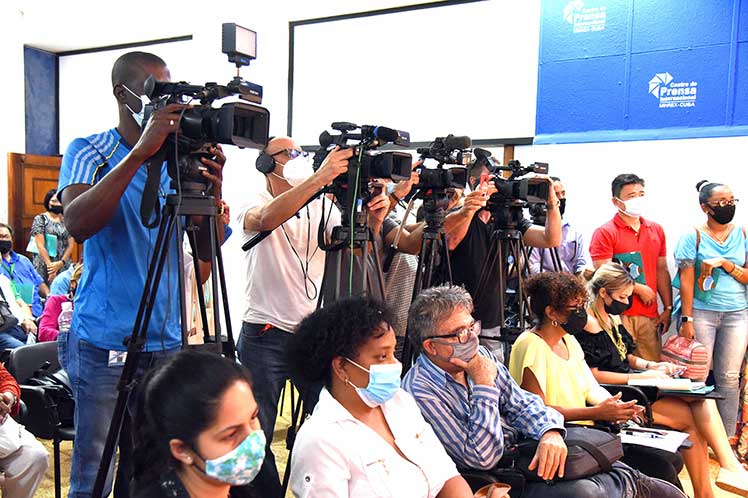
x=467, y=420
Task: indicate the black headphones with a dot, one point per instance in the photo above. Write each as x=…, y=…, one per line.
x=265, y=163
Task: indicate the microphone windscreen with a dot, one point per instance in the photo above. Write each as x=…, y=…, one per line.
x=452, y=142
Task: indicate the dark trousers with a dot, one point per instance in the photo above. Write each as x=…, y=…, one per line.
x=262, y=350
x=654, y=462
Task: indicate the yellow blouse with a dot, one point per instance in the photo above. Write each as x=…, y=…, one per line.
x=563, y=382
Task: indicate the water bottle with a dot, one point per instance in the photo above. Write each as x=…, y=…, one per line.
x=66, y=316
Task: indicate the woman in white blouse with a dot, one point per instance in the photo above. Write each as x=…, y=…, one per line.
x=366, y=436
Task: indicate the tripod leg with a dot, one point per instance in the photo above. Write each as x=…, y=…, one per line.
x=378, y=274
x=134, y=347
x=230, y=350
x=214, y=279
x=445, y=247
x=180, y=280
x=200, y=292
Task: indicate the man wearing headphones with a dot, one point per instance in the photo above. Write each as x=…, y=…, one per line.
x=284, y=271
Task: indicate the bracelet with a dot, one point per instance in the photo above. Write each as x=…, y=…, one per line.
x=223, y=209
x=668, y=308
x=548, y=205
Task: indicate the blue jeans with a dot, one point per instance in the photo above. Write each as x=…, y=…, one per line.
x=95, y=392
x=262, y=351
x=12, y=338
x=725, y=335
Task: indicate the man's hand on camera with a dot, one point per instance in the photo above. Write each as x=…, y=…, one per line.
x=214, y=174
x=377, y=208
x=334, y=165
x=163, y=122
x=403, y=188
x=474, y=201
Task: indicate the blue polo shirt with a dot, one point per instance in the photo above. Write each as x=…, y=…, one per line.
x=21, y=273
x=117, y=257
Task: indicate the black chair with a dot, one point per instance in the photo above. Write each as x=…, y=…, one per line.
x=41, y=416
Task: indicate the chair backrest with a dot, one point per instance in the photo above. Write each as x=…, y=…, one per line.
x=25, y=360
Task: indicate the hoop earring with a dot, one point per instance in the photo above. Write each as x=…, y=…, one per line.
x=554, y=323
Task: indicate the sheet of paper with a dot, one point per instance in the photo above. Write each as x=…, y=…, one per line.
x=662, y=439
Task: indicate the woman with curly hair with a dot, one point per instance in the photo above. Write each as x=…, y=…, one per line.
x=548, y=361
x=366, y=437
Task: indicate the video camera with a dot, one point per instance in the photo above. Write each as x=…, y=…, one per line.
x=366, y=163
x=233, y=123
x=445, y=150
x=514, y=188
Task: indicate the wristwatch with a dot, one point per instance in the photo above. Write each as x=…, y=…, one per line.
x=686, y=319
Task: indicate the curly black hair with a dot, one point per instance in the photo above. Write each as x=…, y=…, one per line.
x=554, y=289
x=339, y=329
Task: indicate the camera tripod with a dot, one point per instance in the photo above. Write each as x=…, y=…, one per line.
x=433, y=243
x=554, y=257
x=189, y=203
x=508, y=261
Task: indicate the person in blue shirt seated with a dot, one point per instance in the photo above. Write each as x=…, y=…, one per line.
x=466, y=395
x=60, y=286
x=101, y=184
x=19, y=269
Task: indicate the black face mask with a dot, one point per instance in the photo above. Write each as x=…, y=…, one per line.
x=576, y=321
x=617, y=307
x=5, y=246
x=562, y=206
x=723, y=214
x=55, y=209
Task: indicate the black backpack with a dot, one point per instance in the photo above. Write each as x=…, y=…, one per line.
x=57, y=386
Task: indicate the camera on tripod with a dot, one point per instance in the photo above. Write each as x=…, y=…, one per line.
x=514, y=188
x=366, y=163
x=233, y=123
x=445, y=150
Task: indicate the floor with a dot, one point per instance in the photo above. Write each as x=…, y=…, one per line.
x=46, y=490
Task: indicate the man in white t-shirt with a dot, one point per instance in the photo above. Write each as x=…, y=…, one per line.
x=284, y=271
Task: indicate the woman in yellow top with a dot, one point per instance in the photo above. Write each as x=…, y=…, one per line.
x=550, y=362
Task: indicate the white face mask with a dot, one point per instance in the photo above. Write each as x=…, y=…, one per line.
x=634, y=207
x=298, y=169
x=137, y=116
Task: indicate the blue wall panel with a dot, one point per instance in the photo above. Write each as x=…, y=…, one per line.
x=584, y=94
x=642, y=69
x=599, y=26
x=42, y=135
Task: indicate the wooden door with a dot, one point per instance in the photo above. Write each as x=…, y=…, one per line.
x=30, y=177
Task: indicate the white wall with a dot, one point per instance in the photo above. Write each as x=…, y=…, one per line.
x=12, y=123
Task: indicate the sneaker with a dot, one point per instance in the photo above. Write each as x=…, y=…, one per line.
x=734, y=481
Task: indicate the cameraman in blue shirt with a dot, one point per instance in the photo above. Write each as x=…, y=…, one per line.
x=102, y=180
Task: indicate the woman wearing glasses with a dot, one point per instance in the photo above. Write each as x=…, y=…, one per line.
x=548, y=361
x=711, y=263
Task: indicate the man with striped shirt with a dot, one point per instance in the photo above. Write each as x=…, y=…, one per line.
x=466, y=394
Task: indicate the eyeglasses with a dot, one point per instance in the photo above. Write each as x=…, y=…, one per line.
x=724, y=202
x=580, y=308
x=462, y=334
x=292, y=153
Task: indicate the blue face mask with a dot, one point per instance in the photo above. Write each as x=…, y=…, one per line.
x=138, y=116
x=239, y=466
x=384, y=382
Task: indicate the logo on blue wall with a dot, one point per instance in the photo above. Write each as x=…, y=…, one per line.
x=585, y=19
x=671, y=93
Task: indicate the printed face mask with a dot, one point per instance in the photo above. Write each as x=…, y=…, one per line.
x=634, y=207
x=239, y=466
x=137, y=116
x=384, y=382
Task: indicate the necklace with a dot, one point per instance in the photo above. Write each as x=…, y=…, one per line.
x=611, y=328
x=724, y=234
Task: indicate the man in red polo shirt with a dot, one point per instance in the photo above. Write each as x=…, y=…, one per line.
x=639, y=245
